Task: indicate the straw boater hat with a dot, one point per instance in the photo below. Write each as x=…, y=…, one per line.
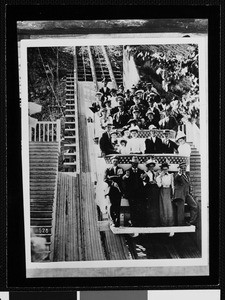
x=150, y=161
x=113, y=132
x=109, y=122
x=136, y=110
x=98, y=94
x=165, y=164
x=139, y=91
x=166, y=131
x=132, y=121
x=134, y=128
x=107, y=100
x=182, y=164
x=152, y=127
x=149, y=112
x=114, y=157
x=134, y=160
x=152, y=94
x=113, y=90
x=180, y=135
x=123, y=140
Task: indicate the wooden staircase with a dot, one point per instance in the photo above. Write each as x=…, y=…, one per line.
x=195, y=178
x=43, y=157
x=70, y=133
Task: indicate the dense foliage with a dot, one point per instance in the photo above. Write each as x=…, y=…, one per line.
x=47, y=70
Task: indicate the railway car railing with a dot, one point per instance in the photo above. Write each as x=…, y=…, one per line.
x=145, y=133
x=172, y=159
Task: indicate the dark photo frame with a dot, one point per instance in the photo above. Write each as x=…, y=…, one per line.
x=16, y=276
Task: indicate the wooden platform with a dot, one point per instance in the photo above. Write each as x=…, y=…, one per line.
x=170, y=230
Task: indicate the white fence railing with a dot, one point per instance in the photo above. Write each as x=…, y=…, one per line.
x=192, y=132
x=45, y=132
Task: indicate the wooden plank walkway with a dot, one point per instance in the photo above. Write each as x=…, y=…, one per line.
x=115, y=247
x=77, y=236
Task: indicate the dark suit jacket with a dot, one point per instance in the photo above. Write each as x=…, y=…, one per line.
x=171, y=124
x=112, y=176
x=133, y=186
x=170, y=147
x=153, y=122
x=120, y=119
x=151, y=147
x=105, y=94
x=181, y=186
x=106, y=145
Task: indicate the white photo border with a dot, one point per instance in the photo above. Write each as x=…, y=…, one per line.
x=151, y=267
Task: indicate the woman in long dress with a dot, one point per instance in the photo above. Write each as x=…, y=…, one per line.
x=165, y=183
x=152, y=195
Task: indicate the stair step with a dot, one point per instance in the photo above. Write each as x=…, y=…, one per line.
x=40, y=208
x=41, y=191
x=40, y=200
x=41, y=214
x=42, y=180
x=41, y=222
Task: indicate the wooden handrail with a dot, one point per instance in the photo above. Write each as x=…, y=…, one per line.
x=45, y=131
x=172, y=159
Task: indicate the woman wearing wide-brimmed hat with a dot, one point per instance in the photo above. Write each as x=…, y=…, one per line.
x=134, y=144
x=152, y=194
x=166, y=184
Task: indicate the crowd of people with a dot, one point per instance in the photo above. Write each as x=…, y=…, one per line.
x=156, y=198
x=126, y=112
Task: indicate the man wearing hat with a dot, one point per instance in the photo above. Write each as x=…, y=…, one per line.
x=133, y=90
x=114, y=139
x=96, y=106
x=140, y=122
x=140, y=94
x=182, y=195
x=105, y=143
x=120, y=118
x=184, y=148
x=105, y=118
x=133, y=185
x=138, y=105
x=151, y=193
x=150, y=120
x=153, y=144
x=169, y=121
x=150, y=89
x=128, y=101
x=134, y=144
x=113, y=177
x=105, y=90
x=168, y=146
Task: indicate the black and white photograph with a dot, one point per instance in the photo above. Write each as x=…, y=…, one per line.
x=115, y=155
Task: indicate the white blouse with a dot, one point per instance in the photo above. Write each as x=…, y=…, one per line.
x=165, y=181
x=184, y=149
x=135, y=145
